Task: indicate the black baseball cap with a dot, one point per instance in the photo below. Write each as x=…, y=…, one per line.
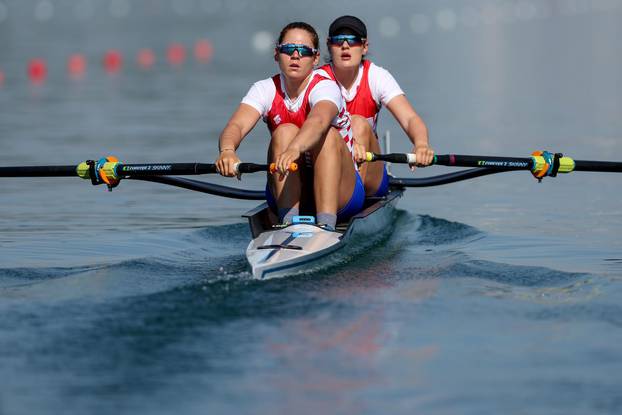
x=348, y=22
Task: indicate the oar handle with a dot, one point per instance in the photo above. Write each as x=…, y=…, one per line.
x=405, y=158
x=292, y=168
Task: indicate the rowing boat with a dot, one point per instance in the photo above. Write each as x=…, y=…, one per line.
x=303, y=246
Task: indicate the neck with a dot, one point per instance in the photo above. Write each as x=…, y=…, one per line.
x=294, y=87
x=346, y=76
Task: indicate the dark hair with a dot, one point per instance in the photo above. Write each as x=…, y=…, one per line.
x=304, y=26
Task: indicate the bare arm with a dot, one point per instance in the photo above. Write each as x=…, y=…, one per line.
x=241, y=123
x=414, y=127
x=311, y=133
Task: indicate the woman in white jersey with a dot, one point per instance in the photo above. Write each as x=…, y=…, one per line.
x=308, y=122
x=366, y=88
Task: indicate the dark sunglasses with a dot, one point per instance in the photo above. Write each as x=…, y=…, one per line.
x=353, y=40
x=290, y=48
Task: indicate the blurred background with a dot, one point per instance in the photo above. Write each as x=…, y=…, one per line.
x=483, y=73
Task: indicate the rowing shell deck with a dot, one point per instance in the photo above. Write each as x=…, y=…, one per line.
x=301, y=248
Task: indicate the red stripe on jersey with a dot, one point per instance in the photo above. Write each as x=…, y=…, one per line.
x=363, y=103
x=279, y=114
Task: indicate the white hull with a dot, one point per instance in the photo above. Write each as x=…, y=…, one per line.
x=303, y=248
x=290, y=250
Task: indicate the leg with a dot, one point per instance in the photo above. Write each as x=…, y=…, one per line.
x=371, y=173
x=286, y=191
x=334, y=174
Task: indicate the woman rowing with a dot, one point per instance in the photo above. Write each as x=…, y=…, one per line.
x=366, y=88
x=308, y=122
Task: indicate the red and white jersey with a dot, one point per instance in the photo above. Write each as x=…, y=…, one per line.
x=374, y=87
x=270, y=99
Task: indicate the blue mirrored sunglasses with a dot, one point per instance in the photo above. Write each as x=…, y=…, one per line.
x=290, y=48
x=353, y=40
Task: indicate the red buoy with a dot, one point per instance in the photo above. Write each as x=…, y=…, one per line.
x=37, y=70
x=76, y=65
x=203, y=50
x=145, y=58
x=176, y=54
x=113, y=61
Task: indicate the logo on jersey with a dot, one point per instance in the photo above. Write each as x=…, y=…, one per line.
x=277, y=119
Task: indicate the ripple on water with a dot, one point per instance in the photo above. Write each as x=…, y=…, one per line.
x=437, y=231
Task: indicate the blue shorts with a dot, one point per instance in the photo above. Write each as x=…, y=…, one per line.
x=354, y=205
x=383, y=189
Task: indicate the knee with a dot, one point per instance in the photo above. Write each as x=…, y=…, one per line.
x=334, y=140
x=330, y=145
x=363, y=132
x=282, y=136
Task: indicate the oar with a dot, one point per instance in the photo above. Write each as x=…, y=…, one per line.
x=541, y=164
x=549, y=163
x=110, y=171
x=117, y=170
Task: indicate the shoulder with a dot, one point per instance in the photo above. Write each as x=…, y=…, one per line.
x=260, y=95
x=323, y=83
x=326, y=89
x=265, y=89
x=325, y=71
x=378, y=72
x=322, y=80
x=322, y=72
x=267, y=84
x=383, y=85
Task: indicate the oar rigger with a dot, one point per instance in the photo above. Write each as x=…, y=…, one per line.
x=100, y=171
x=547, y=164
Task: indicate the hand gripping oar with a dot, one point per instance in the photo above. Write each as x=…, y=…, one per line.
x=110, y=171
x=541, y=164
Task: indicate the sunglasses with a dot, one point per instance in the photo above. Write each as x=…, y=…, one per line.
x=353, y=40
x=290, y=48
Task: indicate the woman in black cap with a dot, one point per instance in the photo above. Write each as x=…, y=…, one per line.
x=366, y=88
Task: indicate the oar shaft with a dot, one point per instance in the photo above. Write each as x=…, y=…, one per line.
x=38, y=171
x=500, y=163
x=604, y=166
x=525, y=163
x=120, y=170
x=557, y=163
x=162, y=169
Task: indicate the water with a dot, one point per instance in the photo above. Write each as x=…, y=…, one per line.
x=496, y=295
